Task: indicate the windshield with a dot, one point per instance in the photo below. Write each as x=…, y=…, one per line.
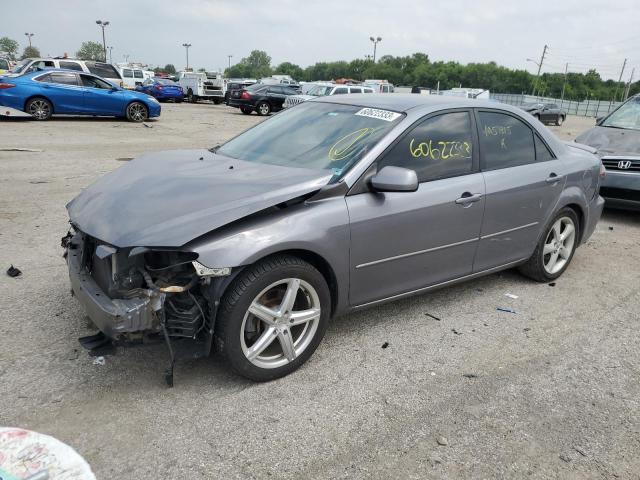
x=314, y=135
x=22, y=66
x=320, y=90
x=627, y=116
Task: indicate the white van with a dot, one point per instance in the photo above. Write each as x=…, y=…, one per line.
x=132, y=76
x=380, y=86
x=202, y=86
x=104, y=70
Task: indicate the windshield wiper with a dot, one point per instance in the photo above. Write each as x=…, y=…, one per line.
x=215, y=149
x=620, y=128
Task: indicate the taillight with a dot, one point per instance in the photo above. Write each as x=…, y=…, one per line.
x=158, y=87
x=603, y=171
x=4, y=86
x=245, y=96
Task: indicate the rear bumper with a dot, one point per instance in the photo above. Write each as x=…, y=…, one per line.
x=236, y=102
x=595, y=212
x=113, y=317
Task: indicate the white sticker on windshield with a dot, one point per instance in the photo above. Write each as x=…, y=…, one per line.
x=385, y=115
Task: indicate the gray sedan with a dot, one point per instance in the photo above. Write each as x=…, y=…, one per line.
x=334, y=205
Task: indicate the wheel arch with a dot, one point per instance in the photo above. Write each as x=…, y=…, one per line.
x=577, y=208
x=38, y=95
x=136, y=100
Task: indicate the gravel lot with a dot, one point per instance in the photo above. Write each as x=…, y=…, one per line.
x=550, y=392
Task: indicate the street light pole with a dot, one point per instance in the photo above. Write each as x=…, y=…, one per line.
x=29, y=35
x=229, y=56
x=375, y=44
x=186, y=46
x=110, y=54
x=103, y=24
x=535, y=83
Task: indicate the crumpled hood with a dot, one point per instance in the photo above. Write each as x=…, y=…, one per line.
x=611, y=141
x=167, y=199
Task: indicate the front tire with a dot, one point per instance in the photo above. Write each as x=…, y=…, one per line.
x=273, y=317
x=555, y=249
x=263, y=108
x=560, y=120
x=137, y=112
x=39, y=108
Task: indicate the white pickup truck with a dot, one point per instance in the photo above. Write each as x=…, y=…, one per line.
x=202, y=86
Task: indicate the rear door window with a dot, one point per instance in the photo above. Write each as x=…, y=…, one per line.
x=505, y=141
x=543, y=154
x=439, y=147
x=126, y=73
x=340, y=91
x=71, y=65
x=355, y=90
x=138, y=74
x=64, y=78
x=95, y=82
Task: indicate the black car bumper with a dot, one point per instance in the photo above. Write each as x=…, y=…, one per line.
x=238, y=103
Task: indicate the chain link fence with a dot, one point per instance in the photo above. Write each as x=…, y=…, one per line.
x=587, y=108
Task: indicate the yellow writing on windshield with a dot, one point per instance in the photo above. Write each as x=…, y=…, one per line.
x=348, y=144
x=440, y=150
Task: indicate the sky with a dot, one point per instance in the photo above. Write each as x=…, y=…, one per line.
x=584, y=33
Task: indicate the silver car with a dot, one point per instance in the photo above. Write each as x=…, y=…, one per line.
x=339, y=204
x=616, y=137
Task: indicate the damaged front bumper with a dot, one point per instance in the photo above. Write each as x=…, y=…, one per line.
x=113, y=317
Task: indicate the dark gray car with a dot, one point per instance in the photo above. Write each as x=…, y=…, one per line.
x=546, y=112
x=334, y=205
x=616, y=137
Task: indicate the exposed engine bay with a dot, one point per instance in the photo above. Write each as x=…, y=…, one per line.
x=142, y=295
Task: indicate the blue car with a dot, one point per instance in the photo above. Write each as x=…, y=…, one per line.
x=68, y=92
x=162, y=89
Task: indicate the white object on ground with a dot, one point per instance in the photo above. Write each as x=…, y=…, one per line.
x=99, y=361
x=24, y=453
x=511, y=295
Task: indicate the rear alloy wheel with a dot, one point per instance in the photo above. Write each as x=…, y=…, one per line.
x=39, y=108
x=273, y=317
x=137, y=112
x=264, y=108
x=246, y=111
x=560, y=120
x=555, y=249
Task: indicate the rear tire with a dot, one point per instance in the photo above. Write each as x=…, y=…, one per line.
x=555, y=248
x=39, y=108
x=292, y=305
x=137, y=112
x=263, y=108
x=246, y=111
x=191, y=97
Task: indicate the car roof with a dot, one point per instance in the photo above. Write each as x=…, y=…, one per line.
x=56, y=70
x=403, y=102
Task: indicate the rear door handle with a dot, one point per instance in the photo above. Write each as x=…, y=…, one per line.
x=468, y=198
x=553, y=178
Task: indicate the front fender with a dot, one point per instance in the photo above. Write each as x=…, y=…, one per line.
x=319, y=228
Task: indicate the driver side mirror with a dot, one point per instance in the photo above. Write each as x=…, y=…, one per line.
x=395, y=179
x=599, y=120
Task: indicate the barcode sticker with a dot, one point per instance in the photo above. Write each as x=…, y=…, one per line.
x=385, y=115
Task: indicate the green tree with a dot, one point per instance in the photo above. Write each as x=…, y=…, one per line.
x=91, y=51
x=30, y=52
x=170, y=69
x=256, y=65
x=9, y=46
x=291, y=69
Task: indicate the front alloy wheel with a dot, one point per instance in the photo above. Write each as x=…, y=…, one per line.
x=137, y=112
x=273, y=317
x=264, y=108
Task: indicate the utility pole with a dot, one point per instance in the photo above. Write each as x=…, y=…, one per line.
x=102, y=24
x=535, y=83
x=615, y=92
x=566, y=69
x=186, y=46
x=626, y=92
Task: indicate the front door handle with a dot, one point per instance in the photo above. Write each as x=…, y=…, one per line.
x=553, y=178
x=467, y=198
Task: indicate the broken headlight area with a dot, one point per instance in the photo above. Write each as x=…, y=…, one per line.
x=141, y=295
